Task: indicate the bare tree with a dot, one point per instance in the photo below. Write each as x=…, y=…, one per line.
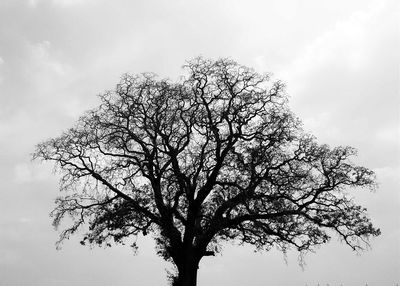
x=216, y=156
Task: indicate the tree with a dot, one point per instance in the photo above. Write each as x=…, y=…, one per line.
x=216, y=156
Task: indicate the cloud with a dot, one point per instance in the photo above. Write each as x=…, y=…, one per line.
x=8, y=257
x=35, y=3
x=53, y=281
x=389, y=175
x=348, y=45
x=44, y=79
x=27, y=173
x=1, y=63
x=37, y=68
x=70, y=2
x=338, y=60
x=22, y=173
x=345, y=84
x=44, y=64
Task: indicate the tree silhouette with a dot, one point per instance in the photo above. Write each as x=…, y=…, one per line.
x=216, y=156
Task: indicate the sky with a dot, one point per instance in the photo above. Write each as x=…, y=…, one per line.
x=339, y=60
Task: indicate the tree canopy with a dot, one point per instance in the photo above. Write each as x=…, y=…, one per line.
x=215, y=156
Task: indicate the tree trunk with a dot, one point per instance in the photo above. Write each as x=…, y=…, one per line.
x=187, y=274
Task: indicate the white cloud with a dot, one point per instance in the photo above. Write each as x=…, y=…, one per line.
x=35, y=3
x=70, y=2
x=27, y=173
x=388, y=174
x=51, y=282
x=1, y=63
x=22, y=173
x=347, y=44
x=345, y=83
x=46, y=73
x=9, y=257
x=24, y=220
x=389, y=134
x=44, y=61
x=319, y=121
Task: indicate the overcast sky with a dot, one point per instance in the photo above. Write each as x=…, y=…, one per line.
x=339, y=59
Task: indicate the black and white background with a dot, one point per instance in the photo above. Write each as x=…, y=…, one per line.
x=339, y=59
